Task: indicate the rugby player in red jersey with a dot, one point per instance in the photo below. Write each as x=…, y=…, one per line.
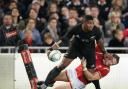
x=78, y=78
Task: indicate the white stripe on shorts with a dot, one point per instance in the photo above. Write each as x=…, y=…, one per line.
x=75, y=82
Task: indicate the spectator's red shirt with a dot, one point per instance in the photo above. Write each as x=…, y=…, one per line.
x=126, y=32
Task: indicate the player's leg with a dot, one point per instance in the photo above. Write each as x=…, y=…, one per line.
x=91, y=65
x=56, y=71
x=62, y=77
x=91, y=61
x=64, y=85
x=68, y=58
x=97, y=84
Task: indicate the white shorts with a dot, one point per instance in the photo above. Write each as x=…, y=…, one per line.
x=75, y=82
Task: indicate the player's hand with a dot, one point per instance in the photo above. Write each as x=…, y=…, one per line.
x=48, y=52
x=55, y=46
x=84, y=63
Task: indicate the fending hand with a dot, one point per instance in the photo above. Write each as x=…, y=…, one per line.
x=83, y=62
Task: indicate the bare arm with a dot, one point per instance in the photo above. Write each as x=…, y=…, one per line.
x=68, y=35
x=100, y=43
x=88, y=74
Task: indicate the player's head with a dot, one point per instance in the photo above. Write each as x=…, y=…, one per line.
x=113, y=60
x=88, y=22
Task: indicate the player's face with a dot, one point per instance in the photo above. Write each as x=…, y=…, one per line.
x=110, y=61
x=89, y=25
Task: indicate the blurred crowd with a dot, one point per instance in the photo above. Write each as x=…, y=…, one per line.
x=43, y=22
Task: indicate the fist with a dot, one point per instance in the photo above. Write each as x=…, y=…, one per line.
x=55, y=46
x=48, y=52
x=83, y=62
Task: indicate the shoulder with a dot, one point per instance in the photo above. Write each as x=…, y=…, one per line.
x=103, y=70
x=97, y=31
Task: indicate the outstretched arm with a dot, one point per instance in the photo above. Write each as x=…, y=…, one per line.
x=67, y=35
x=100, y=43
x=89, y=75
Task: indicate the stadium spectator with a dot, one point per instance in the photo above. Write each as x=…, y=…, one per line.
x=104, y=7
x=9, y=35
x=114, y=22
x=54, y=15
x=108, y=15
x=53, y=8
x=53, y=29
x=13, y=4
x=118, y=40
x=64, y=16
x=1, y=11
x=28, y=39
x=125, y=18
x=73, y=14
x=71, y=23
x=77, y=5
x=36, y=5
x=95, y=14
x=35, y=33
x=98, y=22
x=48, y=39
x=117, y=5
x=43, y=10
x=89, y=2
x=39, y=23
x=87, y=11
x=17, y=19
x=126, y=32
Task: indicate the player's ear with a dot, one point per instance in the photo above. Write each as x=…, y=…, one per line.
x=116, y=57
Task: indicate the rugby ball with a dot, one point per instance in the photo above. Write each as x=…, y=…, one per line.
x=54, y=55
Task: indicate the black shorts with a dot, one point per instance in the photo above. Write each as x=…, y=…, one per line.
x=75, y=50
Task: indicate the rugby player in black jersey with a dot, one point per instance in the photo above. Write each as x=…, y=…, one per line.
x=82, y=44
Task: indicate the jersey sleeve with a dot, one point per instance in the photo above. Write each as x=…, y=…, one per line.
x=103, y=71
x=69, y=33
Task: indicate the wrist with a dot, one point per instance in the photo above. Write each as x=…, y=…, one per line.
x=50, y=49
x=85, y=69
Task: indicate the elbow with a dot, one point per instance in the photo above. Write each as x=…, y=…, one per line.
x=91, y=78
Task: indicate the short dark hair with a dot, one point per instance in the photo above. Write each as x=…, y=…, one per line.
x=88, y=17
x=52, y=18
x=94, y=6
x=116, y=57
x=29, y=20
x=7, y=14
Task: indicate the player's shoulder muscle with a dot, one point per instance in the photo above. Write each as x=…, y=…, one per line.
x=103, y=71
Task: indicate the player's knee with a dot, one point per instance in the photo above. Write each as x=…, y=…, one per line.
x=61, y=67
x=56, y=88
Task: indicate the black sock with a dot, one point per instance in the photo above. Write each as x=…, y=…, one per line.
x=52, y=74
x=97, y=84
